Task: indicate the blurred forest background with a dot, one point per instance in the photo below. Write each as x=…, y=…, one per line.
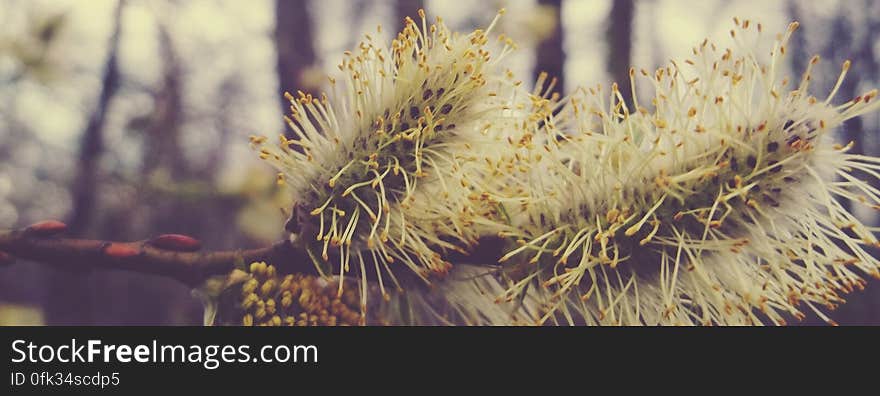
x=130, y=118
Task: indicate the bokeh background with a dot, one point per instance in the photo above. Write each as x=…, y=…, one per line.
x=130, y=118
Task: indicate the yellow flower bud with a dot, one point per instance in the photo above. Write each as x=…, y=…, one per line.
x=249, y=287
x=249, y=301
x=286, y=299
x=270, y=306
x=268, y=287
x=285, y=284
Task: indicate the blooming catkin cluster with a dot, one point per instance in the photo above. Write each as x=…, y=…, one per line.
x=719, y=205
x=376, y=170
x=267, y=298
x=718, y=201
x=262, y=296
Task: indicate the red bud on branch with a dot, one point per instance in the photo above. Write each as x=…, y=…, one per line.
x=47, y=228
x=120, y=250
x=191, y=268
x=176, y=242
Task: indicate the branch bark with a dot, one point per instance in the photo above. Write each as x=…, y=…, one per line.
x=176, y=256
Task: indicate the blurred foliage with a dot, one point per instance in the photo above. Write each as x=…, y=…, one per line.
x=32, y=50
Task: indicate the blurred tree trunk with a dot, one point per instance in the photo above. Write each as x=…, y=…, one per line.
x=840, y=46
x=164, y=163
x=550, y=53
x=864, y=68
x=798, y=43
x=294, y=45
x=85, y=185
x=619, y=36
x=162, y=138
x=68, y=301
x=403, y=9
x=851, y=39
x=846, y=38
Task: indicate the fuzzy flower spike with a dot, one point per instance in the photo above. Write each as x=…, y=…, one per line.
x=722, y=205
x=374, y=171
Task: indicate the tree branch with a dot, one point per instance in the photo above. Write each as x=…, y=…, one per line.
x=171, y=255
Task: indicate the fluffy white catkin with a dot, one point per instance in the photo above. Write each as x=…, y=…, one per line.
x=716, y=201
x=376, y=170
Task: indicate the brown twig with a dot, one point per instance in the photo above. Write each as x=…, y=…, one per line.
x=175, y=256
